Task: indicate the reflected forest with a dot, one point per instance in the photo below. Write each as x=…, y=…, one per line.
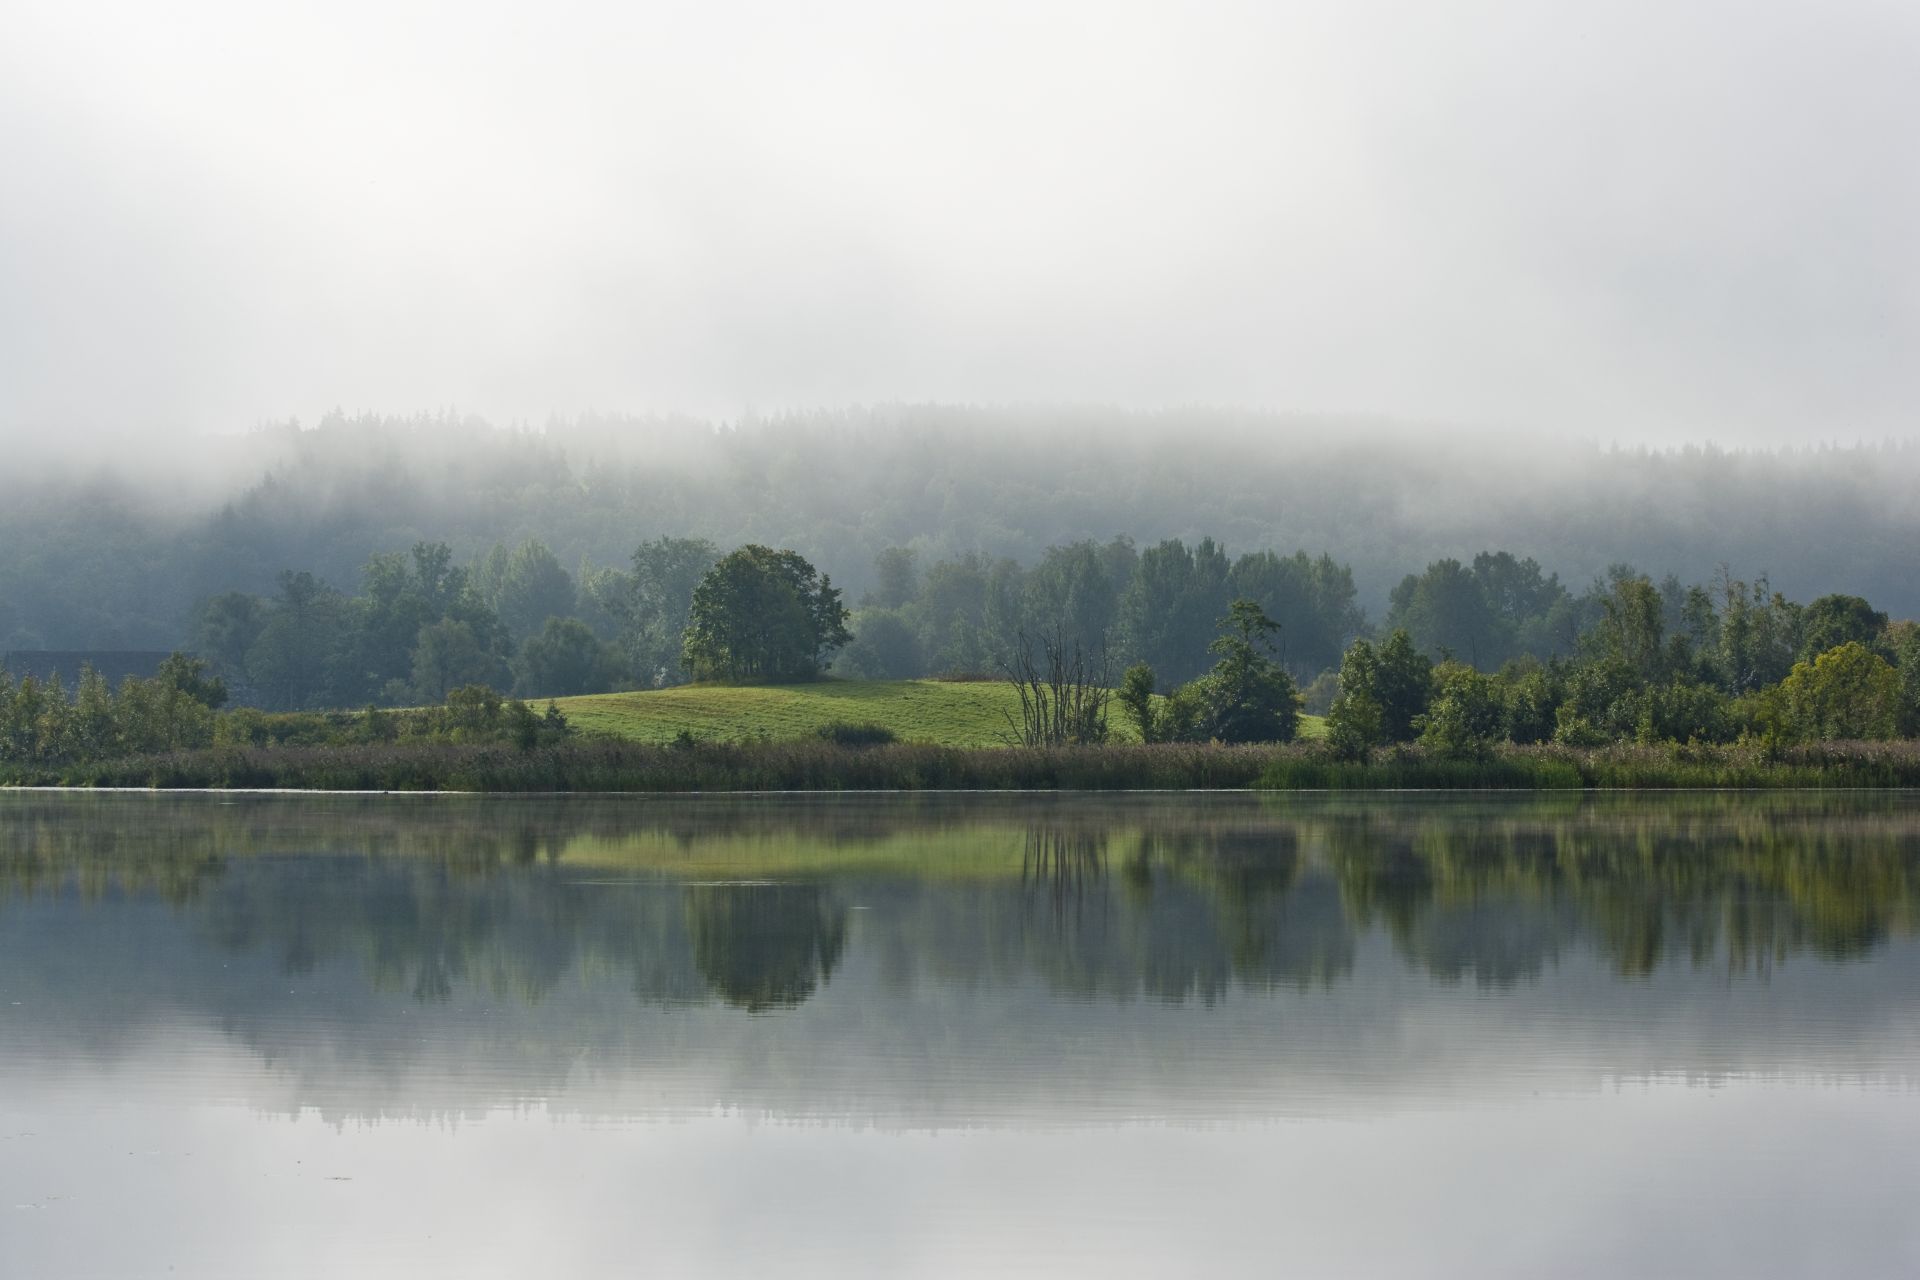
x=737, y=904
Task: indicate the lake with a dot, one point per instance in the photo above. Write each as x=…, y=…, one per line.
x=1141, y=1035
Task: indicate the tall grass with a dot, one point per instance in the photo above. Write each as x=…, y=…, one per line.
x=1671, y=766
x=818, y=765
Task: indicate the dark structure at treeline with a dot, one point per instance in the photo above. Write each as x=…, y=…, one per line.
x=103, y=562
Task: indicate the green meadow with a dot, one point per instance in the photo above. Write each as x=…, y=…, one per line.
x=943, y=713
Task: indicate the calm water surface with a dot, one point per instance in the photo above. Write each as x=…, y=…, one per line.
x=1154, y=1036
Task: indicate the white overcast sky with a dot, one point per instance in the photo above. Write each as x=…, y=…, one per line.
x=1612, y=218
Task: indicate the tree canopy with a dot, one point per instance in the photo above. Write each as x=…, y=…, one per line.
x=1245, y=697
x=761, y=614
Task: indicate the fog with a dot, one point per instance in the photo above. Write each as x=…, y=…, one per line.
x=1618, y=222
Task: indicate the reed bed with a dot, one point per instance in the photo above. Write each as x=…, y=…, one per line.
x=600, y=765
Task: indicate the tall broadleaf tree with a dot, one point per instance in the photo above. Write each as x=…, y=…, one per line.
x=761, y=614
x=653, y=602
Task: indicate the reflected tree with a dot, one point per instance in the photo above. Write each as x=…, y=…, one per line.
x=1062, y=870
x=765, y=946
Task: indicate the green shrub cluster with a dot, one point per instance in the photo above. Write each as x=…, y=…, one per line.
x=849, y=734
x=1728, y=676
x=1246, y=697
x=47, y=731
x=45, y=724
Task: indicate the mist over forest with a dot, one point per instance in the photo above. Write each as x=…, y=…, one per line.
x=109, y=555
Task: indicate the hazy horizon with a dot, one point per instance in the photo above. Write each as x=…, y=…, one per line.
x=1622, y=223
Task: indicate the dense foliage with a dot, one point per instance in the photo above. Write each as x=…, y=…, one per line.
x=761, y=614
x=1246, y=697
x=1157, y=606
x=1625, y=660
x=1659, y=664
x=49, y=734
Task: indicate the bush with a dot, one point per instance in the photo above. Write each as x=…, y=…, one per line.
x=1846, y=692
x=849, y=734
x=1353, y=726
x=1530, y=700
x=1464, y=717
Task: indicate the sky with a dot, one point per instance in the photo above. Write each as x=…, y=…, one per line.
x=1611, y=219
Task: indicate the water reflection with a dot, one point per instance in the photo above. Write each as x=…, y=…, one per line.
x=747, y=902
x=765, y=945
x=385, y=1011
x=1061, y=870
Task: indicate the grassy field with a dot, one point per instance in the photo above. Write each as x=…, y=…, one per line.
x=943, y=713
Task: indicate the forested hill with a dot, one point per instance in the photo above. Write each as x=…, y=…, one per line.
x=118, y=559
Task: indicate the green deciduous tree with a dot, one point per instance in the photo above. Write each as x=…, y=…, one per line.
x=1135, y=696
x=1165, y=616
x=192, y=678
x=525, y=586
x=1760, y=633
x=1846, y=692
x=761, y=614
x=154, y=716
x=1313, y=598
x=884, y=647
x=225, y=629
x=404, y=596
x=1834, y=620
x=1530, y=697
x=1685, y=711
x=564, y=660
x=94, y=729
x=1248, y=696
x=1383, y=693
x=1465, y=717
x=651, y=604
x=1445, y=611
x=1906, y=646
x=1599, y=703
x=1633, y=625
x=304, y=652
x=895, y=578
x=448, y=656
x=1354, y=726
x=1403, y=685
x=951, y=611
x=1076, y=588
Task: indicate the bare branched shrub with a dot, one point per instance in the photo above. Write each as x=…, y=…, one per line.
x=1063, y=690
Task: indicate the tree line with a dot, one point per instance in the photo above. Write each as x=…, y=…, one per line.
x=95, y=558
x=517, y=620
x=1213, y=648
x=1734, y=661
x=179, y=710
